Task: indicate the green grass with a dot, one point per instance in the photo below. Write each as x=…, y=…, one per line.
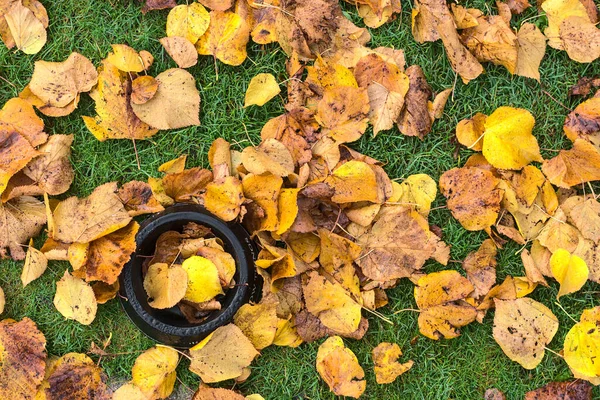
x=461, y=368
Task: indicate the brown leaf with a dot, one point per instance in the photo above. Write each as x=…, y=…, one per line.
x=473, y=196
x=23, y=359
x=415, y=119
x=15, y=153
x=20, y=219
x=208, y=393
x=52, y=171
x=343, y=113
x=87, y=219
x=76, y=376
x=138, y=199
x=481, y=268
x=150, y=5
x=397, y=245
x=105, y=292
x=568, y=390
x=187, y=185
x=584, y=86
x=580, y=38
x=584, y=122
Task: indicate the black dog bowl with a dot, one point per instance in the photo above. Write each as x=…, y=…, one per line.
x=169, y=326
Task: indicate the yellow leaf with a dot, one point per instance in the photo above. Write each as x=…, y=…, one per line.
x=154, y=371
x=264, y=191
x=270, y=156
x=387, y=368
x=222, y=355
x=262, y=88
x=418, y=191
x=188, y=21
x=339, y=368
x=203, y=279
x=572, y=167
x=557, y=11
x=569, y=270
x=582, y=347
x=75, y=299
x=469, y=132
x=343, y=113
x=174, y=166
x=531, y=45
x=16, y=152
x=27, y=30
x=126, y=59
x=329, y=75
x=508, y=142
x=440, y=297
x=523, y=327
x=78, y=254
x=165, y=285
x=286, y=334
x=224, y=262
x=226, y=38
x=224, y=198
x=258, y=322
x=354, y=181
x=287, y=204
x=128, y=392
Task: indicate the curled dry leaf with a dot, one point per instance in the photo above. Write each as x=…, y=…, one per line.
x=165, y=285
x=581, y=346
x=154, y=372
x=569, y=270
x=75, y=299
x=84, y=220
x=226, y=38
x=523, y=327
x=339, y=368
x=59, y=83
x=20, y=219
x=387, y=368
x=27, y=32
x=262, y=88
x=115, y=119
x=224, y=354
x=35, y=265
x=23, y=359
x=138, y=199
x=415, y=119
x=571, y=390
x=440, y=297
x=78, y=376
x=176, y=103
x=181, y=50
x=188, y=21
x=143, y=89
x=473, y=196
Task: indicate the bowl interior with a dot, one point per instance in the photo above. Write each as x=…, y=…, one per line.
x=146, y=246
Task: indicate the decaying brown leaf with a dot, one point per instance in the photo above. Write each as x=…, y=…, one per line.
x=20, y=219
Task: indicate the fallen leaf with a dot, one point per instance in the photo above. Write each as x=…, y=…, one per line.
x=557, y=11
x=339, y=368
x=580, y=38
x=143, y=89
x=264, y=191
x=440, y=297
x=224, y=198
x=568, y=390
x=262, y=88
x=126, y=59
x=581, y=346
x=19, y=116
x=470, y=132
x=115, y=119
x=181, y=50
x=138, y=199
x=59, y=83
x=258, y=322
x=226, y=38
x=150, y=5
x=189, y=21
x=75, y=375
x=531, y=48
x=224, y=354
x=331, y=304
x=84, y=220
x=20, y=219
x=415, y=119
x=176, y=103
x=52, y=171
x=270, y=156
x=165, y=285
x=508, y=142
x=15, y=153
x=105, y=292
x=75, y=299
x=480, y=267
x=583, y=122
x=129, y=391
x=208, y=393
x=35, y=265
x=23, y=359
x=355, y=181
x=343, y=113
x=203, y=279
x=494, y=394
x=523, y=327
x=569, y=270
x=27, y=31
x=473, y=196
x=387, y=368
x=418, y=191
x=154, y=371
x=572, y=167
x=187, y=185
